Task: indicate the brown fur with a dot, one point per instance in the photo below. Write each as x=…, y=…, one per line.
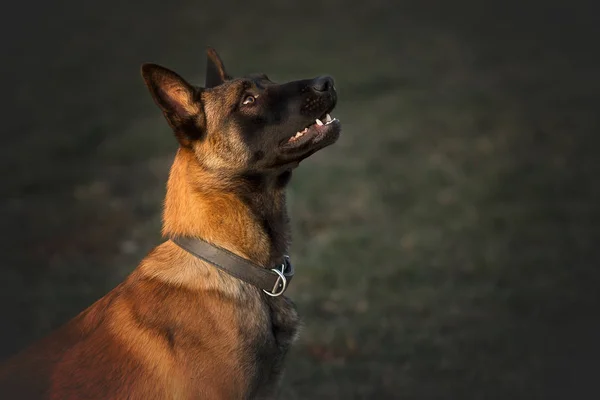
x=177, y=327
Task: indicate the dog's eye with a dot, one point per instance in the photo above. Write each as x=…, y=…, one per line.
x=249, y=99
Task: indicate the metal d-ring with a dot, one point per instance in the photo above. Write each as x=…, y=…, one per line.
x=281, y=277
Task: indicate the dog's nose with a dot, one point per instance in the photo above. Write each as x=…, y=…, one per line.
x=322, y=84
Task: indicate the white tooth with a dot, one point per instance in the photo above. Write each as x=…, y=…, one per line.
x=327, y=118
x=319, y=122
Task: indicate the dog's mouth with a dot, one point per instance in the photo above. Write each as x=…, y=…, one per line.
x=323, y=131
x=323, y=121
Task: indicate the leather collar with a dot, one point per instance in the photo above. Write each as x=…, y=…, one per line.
x=272, y=281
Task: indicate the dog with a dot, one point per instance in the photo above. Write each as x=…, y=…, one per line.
x=203, y=316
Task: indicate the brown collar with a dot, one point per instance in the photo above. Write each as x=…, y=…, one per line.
x=272, y=281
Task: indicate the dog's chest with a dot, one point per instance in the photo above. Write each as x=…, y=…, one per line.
x=284, y=321
x=275, y=340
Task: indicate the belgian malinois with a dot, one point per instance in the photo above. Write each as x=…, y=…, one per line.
x=203, y=315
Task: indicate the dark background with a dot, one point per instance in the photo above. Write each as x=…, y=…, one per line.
x=446, y=246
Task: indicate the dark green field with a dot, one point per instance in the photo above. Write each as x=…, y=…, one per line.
x=446, y=246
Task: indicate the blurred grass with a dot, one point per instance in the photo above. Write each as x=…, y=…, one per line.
x=445, y=245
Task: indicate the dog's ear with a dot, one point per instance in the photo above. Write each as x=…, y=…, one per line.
x=215, y=70
x=179, y=101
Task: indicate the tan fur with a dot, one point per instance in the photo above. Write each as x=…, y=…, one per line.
x=178, y=327
x=227, y=152
x=123, y=335
x=196, y=206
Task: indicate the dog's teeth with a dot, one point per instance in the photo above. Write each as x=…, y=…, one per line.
x=319, y=122
x=299, y=134
x=327, y=118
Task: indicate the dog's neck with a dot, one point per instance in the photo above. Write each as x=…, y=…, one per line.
x=245, y=214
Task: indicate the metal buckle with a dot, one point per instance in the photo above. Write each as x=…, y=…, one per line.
x=281, y=279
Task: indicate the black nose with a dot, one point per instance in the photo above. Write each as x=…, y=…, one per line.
x=322, y=84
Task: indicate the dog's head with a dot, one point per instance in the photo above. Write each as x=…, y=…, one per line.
x=249, y=123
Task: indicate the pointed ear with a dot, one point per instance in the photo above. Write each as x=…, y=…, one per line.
x=178, y=100
x=215, y=70
x=170, y=91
